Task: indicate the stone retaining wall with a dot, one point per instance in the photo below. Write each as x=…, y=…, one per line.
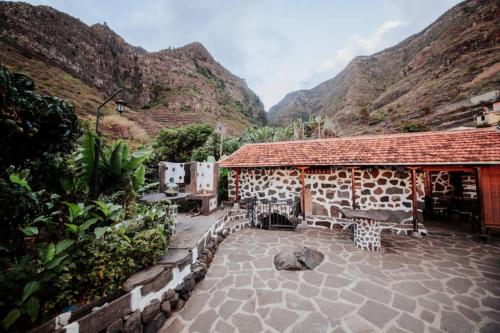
x=150, y=296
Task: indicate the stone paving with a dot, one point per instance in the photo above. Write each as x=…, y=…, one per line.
x=436, y=284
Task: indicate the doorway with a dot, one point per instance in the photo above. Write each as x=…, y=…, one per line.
x=451, y=199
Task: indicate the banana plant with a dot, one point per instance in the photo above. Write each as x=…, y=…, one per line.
x=118, y=169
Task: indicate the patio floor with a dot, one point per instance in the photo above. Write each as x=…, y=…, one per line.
x=443, y=283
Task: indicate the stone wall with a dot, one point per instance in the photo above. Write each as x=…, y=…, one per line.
x=269, y=183
x=443, y=187
x=469, y=186
x=441, y=184
x=328, y=189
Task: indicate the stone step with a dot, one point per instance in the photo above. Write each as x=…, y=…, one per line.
x=176, y=257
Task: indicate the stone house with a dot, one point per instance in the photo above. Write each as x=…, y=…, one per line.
x=396, y=173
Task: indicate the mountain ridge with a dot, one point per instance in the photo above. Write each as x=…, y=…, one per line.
x=412, y=81
x=172, y=87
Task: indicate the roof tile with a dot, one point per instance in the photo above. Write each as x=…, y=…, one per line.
x=450, y=147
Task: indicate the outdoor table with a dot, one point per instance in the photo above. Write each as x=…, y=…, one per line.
x=158, y=197
x=367, y=232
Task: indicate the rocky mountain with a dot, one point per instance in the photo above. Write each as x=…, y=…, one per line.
x=168, y=88
x=426, y=79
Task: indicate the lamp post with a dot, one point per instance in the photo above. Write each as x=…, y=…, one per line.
x=120, y=107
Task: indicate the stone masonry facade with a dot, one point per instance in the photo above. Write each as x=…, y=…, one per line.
x=328, y=189
x=442, y=185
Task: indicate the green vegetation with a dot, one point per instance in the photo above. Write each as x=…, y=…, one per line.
x=377, y=117
x=59, y=248
x=412, y=126
x=33, y=127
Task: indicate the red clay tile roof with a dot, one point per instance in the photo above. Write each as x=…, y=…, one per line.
x=478, y=146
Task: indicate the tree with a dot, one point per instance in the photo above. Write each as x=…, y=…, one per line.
x=212, y=148
x=34, y=127
x=178, y=144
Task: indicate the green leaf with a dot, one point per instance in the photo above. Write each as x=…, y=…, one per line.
x=138, y=177
x=75, y=210
x=63, y=245
x=17, y=179
x=87, y=224
x=103, y=207
x=48, y=253
x=30, y=231
x=30, y=288
x=99, y=232
x=56, y=262
x=11, y=318
x=127, y=239
x=33, y=307
x=72, y=227
x=116, y=158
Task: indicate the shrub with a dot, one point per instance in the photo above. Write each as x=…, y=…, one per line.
x=376, y=118
x=102, y=265
x=364, y=115
x=121, y=127
x=411, y=127
x=118, y=169
x=33, y=127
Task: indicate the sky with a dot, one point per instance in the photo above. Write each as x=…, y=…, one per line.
x=277, y=46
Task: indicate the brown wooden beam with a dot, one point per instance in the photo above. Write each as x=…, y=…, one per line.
x=353, y=188
x=449, y=168
x=303, y=191
x=479, y=194
x=237, y=181
x=414, y=199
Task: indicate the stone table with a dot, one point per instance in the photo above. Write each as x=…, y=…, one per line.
x=367, y=233
x=158, y=197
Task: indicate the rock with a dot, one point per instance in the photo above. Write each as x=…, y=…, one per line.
x=168, y=295
x=211, y=245
x=155, y=324
x=166, y=308
x=150, y=311
x=133, y=323
x=301, y=258
x=182, y=292
x=173, y=300
x=180, y=305
x=189, y=282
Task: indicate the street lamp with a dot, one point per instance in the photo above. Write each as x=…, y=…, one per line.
x=120, y=107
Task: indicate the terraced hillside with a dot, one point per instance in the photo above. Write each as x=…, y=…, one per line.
x=84, y=63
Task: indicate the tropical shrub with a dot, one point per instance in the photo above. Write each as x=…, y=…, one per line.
x=74, y=253
x=118, y=169
x=104, y=263
x=58, y=248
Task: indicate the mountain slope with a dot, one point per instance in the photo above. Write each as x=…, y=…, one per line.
x=454, y=58
x=166, y=89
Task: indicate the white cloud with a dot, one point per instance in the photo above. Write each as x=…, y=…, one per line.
x=358, y=45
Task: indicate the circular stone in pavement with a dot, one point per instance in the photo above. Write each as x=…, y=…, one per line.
x=298, y=259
